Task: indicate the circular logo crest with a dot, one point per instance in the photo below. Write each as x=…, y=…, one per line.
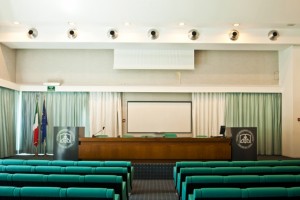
x=244, y=139
x=65, y=138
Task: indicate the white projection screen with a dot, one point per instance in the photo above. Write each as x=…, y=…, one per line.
x=159, y=116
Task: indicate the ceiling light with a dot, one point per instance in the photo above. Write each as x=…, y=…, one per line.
x=153, y=34
x=181, y=24
x=193, y=34
x=233, y=35
x=273, y=35
x=112, y=33
x=72, y=33
x=236, y=24
x=32, y=33
x=127, y=24
x=16, y=23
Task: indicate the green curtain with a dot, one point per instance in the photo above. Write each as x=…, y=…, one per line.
x=63, y=109
x=8, y=121
x=261, y=110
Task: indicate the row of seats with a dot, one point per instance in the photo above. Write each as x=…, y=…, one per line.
x=120, y=171
x=246, y=193
x=184, y=172
x=65, y=163
x=238, y=181
x=66, y=181
x=10, y=192
x=270, y=163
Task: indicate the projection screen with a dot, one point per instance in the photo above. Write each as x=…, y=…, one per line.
x=159, y=116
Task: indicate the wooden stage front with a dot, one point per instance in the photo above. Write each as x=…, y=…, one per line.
x=154, y=149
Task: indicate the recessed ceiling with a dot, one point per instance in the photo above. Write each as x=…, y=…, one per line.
x=141, y=14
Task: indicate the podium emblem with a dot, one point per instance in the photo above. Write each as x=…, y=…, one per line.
x=65, y=138
x=244, y=139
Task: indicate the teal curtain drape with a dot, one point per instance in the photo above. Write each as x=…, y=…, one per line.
x=63, y=109
x=261, y=110
x=8, y=121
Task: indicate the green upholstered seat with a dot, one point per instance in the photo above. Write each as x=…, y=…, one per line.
x=170, y=135
x=263, y=192
x=91, y=193
x=63, y=163
x=294, y=192
x=128, y=136
x=38, y=162
x=12, y=162
x=101, y=136
x=41, y=193
x=19, y=169
x=50, y=169
x=79, y=170
x=8, y=192
x=90, y=163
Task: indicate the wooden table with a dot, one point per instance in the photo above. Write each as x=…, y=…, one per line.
x=154, y=149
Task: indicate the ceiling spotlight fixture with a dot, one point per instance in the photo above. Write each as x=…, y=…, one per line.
x=32, y=33
x=181, y=24
x=236, y=24
x=273, y=35
x=72, y=33
x=193, y=34
x=233, y=35
x=16, y=23
x=112, y=33
x=153, y=34
x=127, y=24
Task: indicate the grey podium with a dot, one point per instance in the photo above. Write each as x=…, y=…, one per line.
x=65, y=145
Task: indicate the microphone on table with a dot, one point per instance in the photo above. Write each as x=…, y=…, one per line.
x=99, y=132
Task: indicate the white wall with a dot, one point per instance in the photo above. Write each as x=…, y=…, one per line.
x=7, y=64
x=289, y=63
x=95, y=67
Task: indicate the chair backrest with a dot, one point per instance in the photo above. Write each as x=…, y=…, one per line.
x=170, y=135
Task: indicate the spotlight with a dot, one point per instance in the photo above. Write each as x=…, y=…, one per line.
x=153, y=34
x=112, y=33
x=32, y=33
x=234, y=35
x=193, y=34
x=72, y=33
x=273, y=35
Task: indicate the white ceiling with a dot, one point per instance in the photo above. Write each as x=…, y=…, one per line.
x=90, y=16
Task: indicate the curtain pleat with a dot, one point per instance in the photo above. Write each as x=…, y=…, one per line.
x=63, y=109
x=257, y=110
x=8, y=121
x=208, y=113
x=106, y=111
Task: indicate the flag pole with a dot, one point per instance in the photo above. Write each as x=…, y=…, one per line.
x=36, y=151
x=36, y=127
x=45, y=153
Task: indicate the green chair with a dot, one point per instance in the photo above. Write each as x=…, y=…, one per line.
x=170, y=135
x=101, y=136
x=127, y=136
x=201, y=136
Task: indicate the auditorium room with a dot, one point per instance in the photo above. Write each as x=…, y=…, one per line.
x=149, y=100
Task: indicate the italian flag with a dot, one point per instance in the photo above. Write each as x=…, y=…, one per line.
x=36, y=126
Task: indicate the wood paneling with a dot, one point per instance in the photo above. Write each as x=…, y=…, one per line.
x=154, y=149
